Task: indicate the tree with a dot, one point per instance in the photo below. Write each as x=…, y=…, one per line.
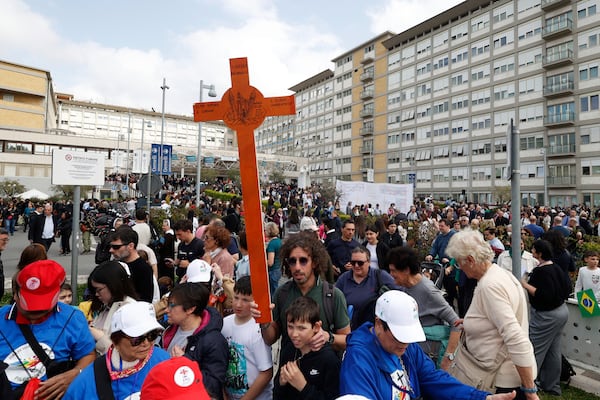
x=66, y=191
x=277, y=176
x=502, y=194
x=11, y=188
x=329, y=192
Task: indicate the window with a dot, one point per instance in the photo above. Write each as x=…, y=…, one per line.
x=460, y=55
x=482, y=173
x=530, y=57
x=504, y=38
x=532, y=142
x=441, y=152
x=500, y=145
x=459, y=102
x=503, y=13
x=459, y=31
x=460, y=150
x=408, y=94
x=460, y=78
x=440, y=39
x=344, y=60
x=423, y=110
x=502, y=118
x=441, y=62
x=482, y=147
x=423, y=68
x=408, y=53
x=480, y=72
x=460, y=126
x=442, y=83
x=531, y=170
x=459, y=174
x=424, y=47
x=408, y=156
x=18, y=147
x=441, y=130
x=588, y=39
x=393, y=80
x=394, y=118
x=526, y=5
x=590, y=167
x=534, y=112
x=408, y=136
x=393, y=100
x=393, y=157
x=480, y=23
x=481, y=122
x=530, y=85
x=504, y=65
x=422, y=155
x=423, y=132
x=586, y=9
x=480, y=97
x=503, y=92
x=529, y=29
x=393, y=138
x=588, y=72
x=441, y=175
x=424, y=89
x=589, y=103
x=393, y=60
x=590, y=134
x=440, y=107
x=423, y=176
x=481, y=48
x=408, y=73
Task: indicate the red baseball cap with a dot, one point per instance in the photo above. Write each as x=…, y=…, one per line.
x=39, y=285
x=178, y=378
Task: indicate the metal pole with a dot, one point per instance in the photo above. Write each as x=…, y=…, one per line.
x=75, y=241
x=127, y=157
x=546, y=199
x=515, y=189
x=164, y=87
x=198, y=155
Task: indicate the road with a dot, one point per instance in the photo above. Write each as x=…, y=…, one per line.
x=10, y=257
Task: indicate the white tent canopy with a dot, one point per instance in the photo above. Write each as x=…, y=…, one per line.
x=33, y=194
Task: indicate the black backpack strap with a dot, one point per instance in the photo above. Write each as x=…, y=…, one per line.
x=103, y=382
x=34, y=344
x=378, y=277
x=329, y=304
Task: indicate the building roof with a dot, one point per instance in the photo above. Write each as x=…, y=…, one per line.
x=320, y=77
x=377, y=38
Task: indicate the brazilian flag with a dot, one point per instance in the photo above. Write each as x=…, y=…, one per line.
x=588, y=306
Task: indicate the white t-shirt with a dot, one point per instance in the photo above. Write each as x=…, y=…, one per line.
x=588, y=279
x=373, y=250
x=248, y=355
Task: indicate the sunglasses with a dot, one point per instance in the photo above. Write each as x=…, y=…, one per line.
x=151, y=336
x=293, y=260
x=360, y=263
x=118, y=246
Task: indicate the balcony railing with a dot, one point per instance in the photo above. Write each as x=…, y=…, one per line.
x=367, y=94
x=548, y=5
x=561, y=150
x=562, y=180
x=559, y=89
x=557, y=29
x=558, y=58
x=367, y=76
x=565, y=118
x=366, y=130
x=367, y=112
x=366, y=149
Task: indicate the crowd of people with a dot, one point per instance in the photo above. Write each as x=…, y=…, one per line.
x=353, y=310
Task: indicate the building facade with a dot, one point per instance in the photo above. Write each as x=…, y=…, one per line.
x=433, y=105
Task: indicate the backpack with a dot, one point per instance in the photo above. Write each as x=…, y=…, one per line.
x=566, y=370
x=328, y=301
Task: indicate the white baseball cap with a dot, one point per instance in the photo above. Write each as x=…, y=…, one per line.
x=401, y=313
x=135, y=319
x=198, y=272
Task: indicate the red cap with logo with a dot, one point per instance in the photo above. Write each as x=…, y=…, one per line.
x=178, y=378
x=39, y=285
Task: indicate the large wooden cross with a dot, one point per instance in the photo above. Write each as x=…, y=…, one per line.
x=243, y=108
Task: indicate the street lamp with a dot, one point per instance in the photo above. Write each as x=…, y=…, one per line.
x=144, y=122
x=544, y=152
x=211, y=93
x=164, y=87
x=127, y=157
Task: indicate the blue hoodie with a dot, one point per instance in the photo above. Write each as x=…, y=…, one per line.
x=367, y=370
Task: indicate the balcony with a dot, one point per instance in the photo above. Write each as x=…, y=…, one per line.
x=368, y=58
x=558, y=59
x=562, y=119
x=367, y=76
x=562, y=181
x=366, y=149
x=548, y=5
x=366, y=112
x=557, y=29
x=561, y=150
x=367, y=94
x=561, y=89
x=366, y=131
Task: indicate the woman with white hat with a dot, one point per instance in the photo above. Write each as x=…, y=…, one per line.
x=128, y=360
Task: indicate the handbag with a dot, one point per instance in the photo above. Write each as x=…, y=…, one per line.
x=470, y=371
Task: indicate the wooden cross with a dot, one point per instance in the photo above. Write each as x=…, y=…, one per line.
x=243, y=108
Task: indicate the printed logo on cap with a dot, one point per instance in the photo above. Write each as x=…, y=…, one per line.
x=33, y=283
x=184, y=376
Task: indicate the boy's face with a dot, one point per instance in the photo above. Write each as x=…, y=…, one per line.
x=241, y=304
x=65, y=296
x=301, y=332
x=591, y=261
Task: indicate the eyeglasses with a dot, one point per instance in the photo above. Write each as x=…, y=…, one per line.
x=173, y=305
x=151, y=336
x=360, y=263
x=118, y=246
x=208, y=237
x=100, y=289
x=293, y=260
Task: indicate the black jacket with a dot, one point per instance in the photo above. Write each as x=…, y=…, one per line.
x=36, y=226
x=382, y=249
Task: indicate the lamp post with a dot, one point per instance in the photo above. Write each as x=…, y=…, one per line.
x=211, y=93
x=127, y=157
x=164, y=87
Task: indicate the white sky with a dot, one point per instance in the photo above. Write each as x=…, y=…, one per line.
x=118, y=51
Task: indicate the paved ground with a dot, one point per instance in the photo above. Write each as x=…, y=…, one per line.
x=587, y=379
x=10, y=257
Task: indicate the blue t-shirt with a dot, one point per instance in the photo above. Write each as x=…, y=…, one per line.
x=273, y=247
x=64, y=335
